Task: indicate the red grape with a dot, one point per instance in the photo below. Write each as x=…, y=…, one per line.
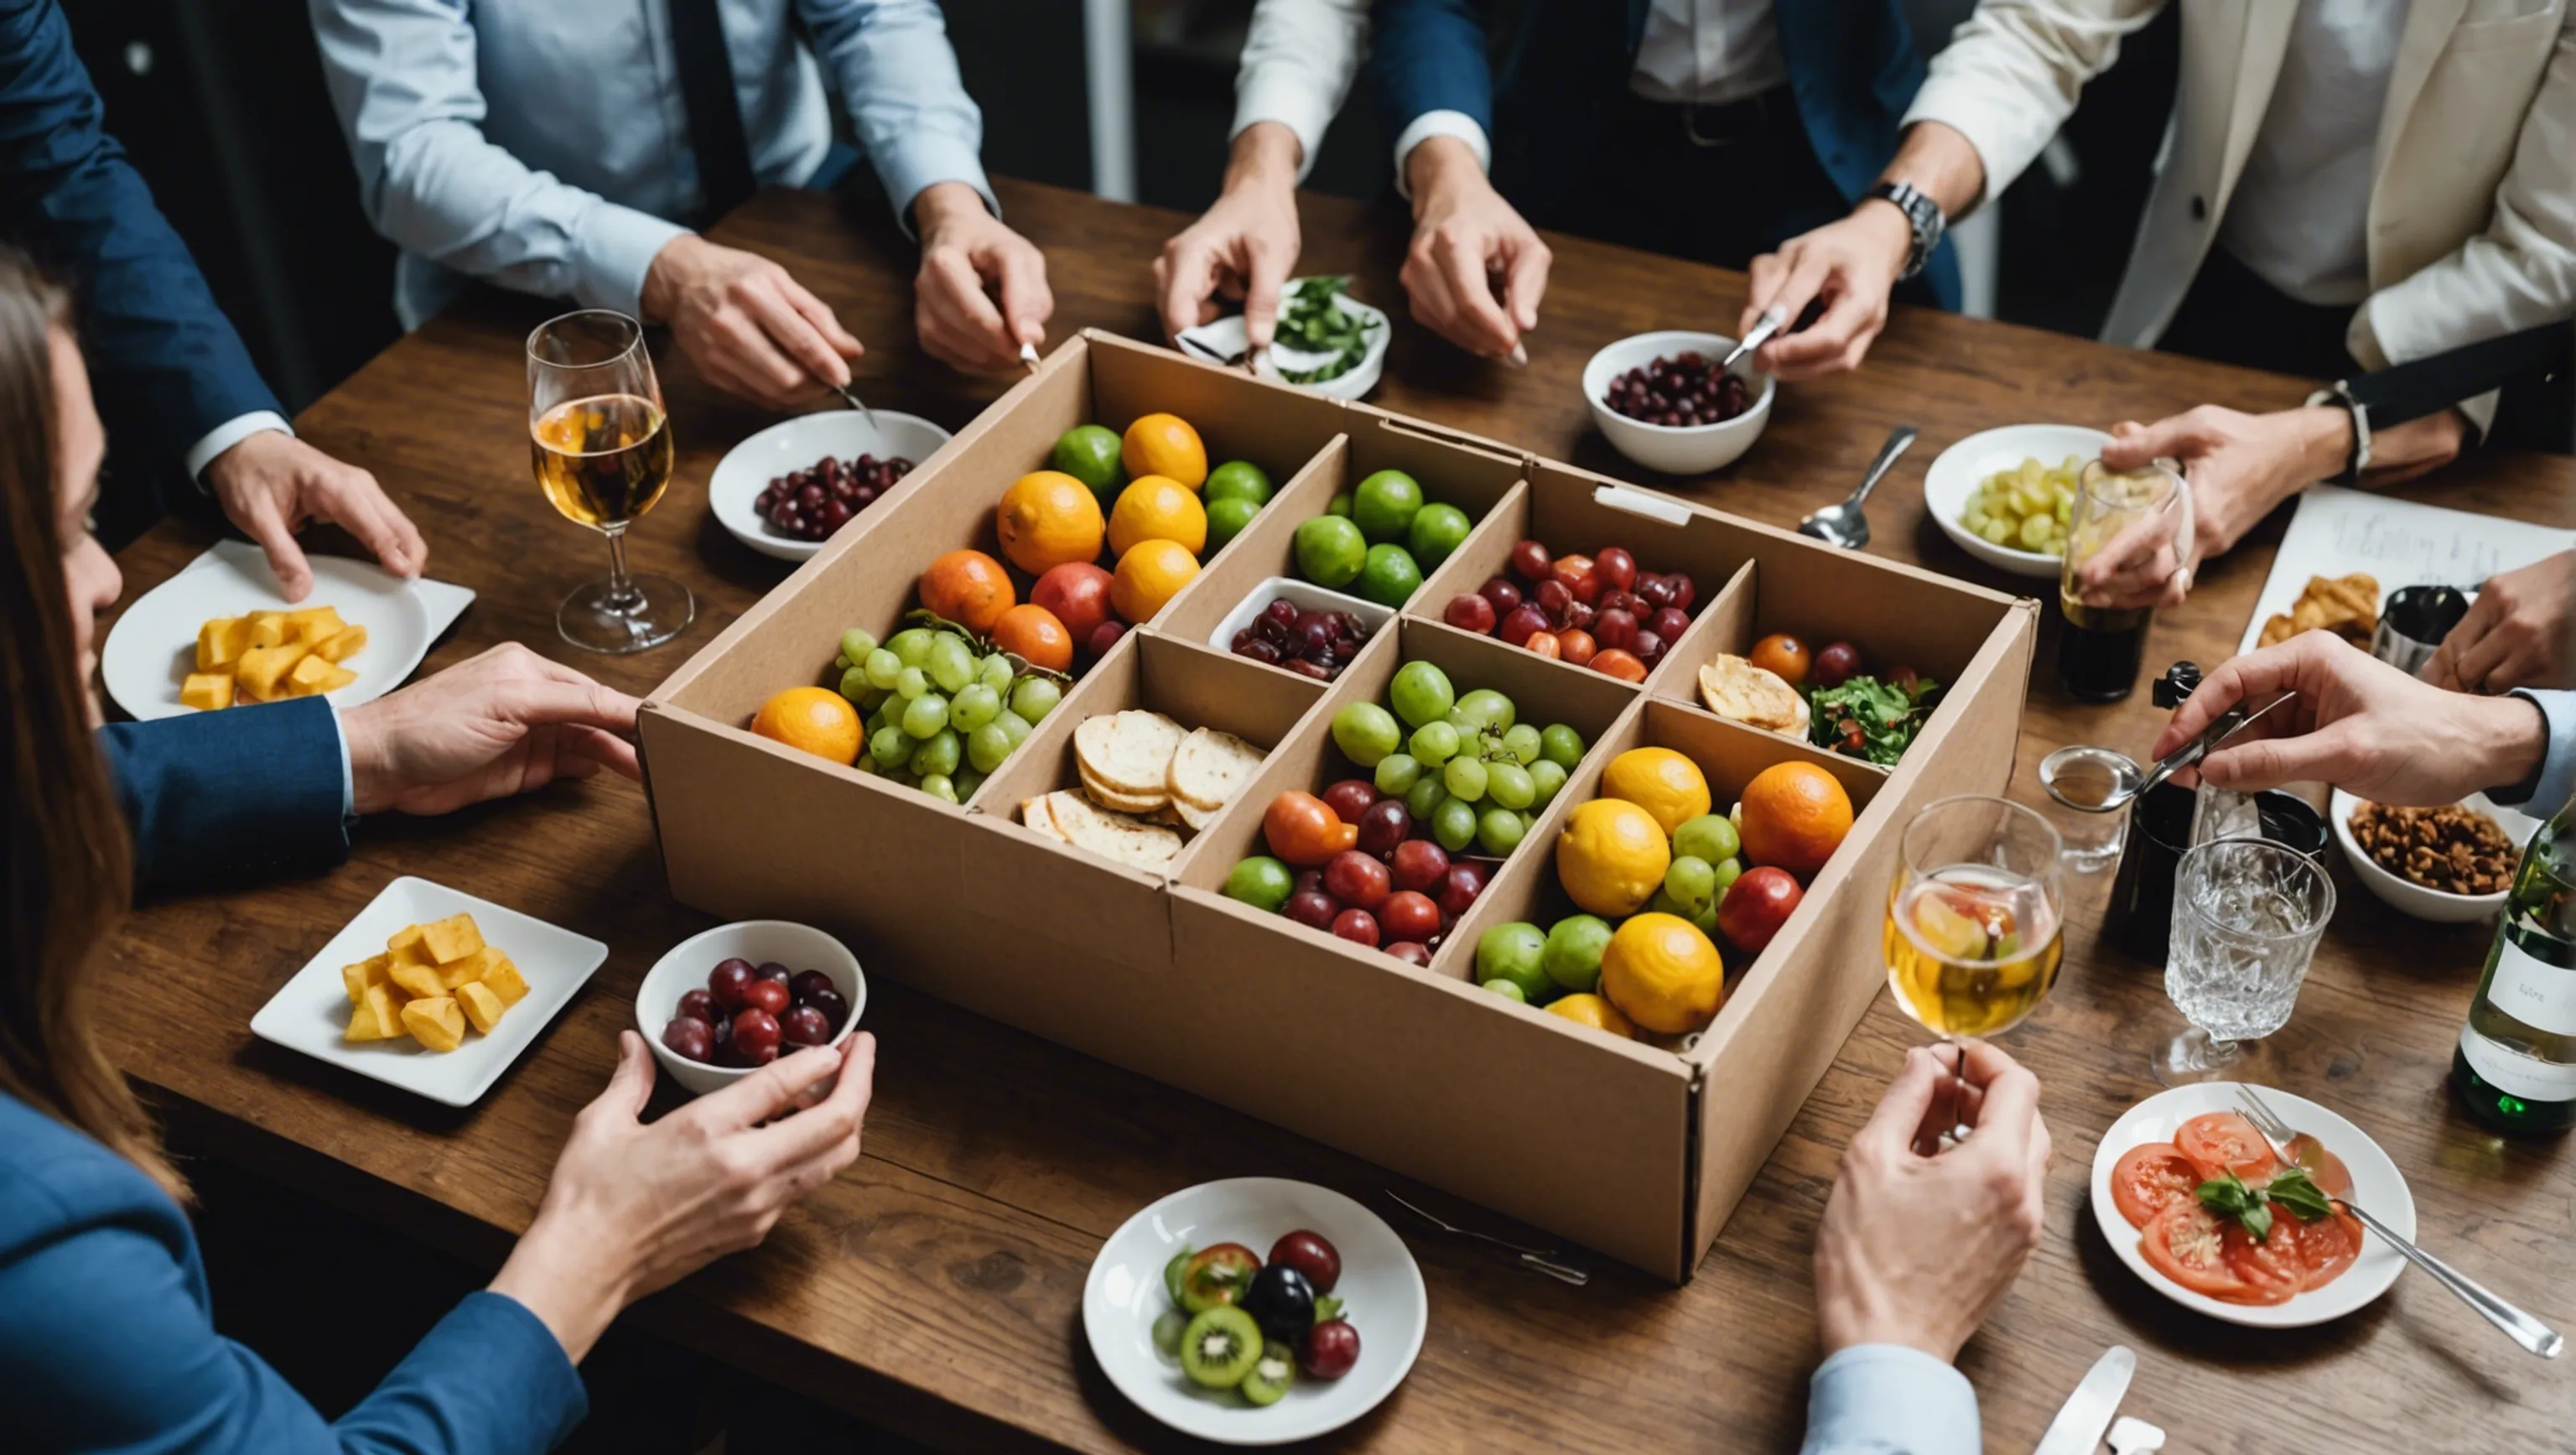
x=805, y=983
x=1385, y=827
x=829, y=1004
x=1470, y=613
x=1835, y=665
x=1656, y=591
x=1460, y=886
x=690, y=1037
x=1684, y=593
x=804, y=1026
x=1622, y=601
x=1408, y=915
x=728, y=983
x=771, y=970
x=1357, y=926
x=1669, y=624
x=1419, y=864
x=1531, y=562
x=769, y=996
x=1411, y=952
x=699, y=1005
x=1311, y=907
x=1350, y=798
x=1553, y=597
x=1105, y=636
x=1614, y=630
x=1309, y=881
x=755, y=1036
x=1524, y=620
x=1503, y=594
x=1356, y=879
x=1310, y=1254
x=1329, y=1349
x=1618, y=568
x=1648, y=647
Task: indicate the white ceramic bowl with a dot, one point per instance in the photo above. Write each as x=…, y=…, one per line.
x=1224, y=338
x=2404, y=894
x=685, y=967
x=1308, y=596
x=1955, y=476
x=1693, y=449
x=796, y=444
x=1380, y=1286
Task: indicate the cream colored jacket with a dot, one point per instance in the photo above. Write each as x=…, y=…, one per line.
x=2473, y=200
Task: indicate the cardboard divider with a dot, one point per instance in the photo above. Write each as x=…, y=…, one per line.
x=1256, y=555
x=1110, y=679
x=1726, y=618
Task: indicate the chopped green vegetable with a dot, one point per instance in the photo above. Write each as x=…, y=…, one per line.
x=2229, y=1197
x=1313, y=323
x=2293, y=1189
x=1871, y=717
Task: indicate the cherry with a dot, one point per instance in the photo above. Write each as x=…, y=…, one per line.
x=1385, y=827
x=1614, y=629
x=1329, y=1349
x=1460, y=886
x=1524, y=620
x=1410, y=952
x=1311, y=907
x=1357, y=926
x=767, y=996
x=728, y=982
x=1350, y=798
x=804, y=1026
x=1419, y=864
x=699, y=1005
x=690, y=1037
x=1668, y=623
x=1503, y=594
x=1409, y=915
x=1472, y=613
x=1531, y=562
x=1618, y=568
x=756, y=1036
x=1355, y=878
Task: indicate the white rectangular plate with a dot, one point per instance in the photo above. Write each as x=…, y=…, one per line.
x=2336, y=532
x=310, y=1013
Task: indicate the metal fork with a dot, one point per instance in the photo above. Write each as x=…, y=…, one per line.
x=2525, y=1330
x=1536, y=1259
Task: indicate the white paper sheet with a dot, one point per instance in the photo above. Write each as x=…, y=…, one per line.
x=2336, y=532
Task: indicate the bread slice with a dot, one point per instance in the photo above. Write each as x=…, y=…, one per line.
x=1209, y=768
x=1114, y=836
x=1035, y=813
x=1758, y=697
x=1109, y=797
x=1193, y=817
x=1129, y=753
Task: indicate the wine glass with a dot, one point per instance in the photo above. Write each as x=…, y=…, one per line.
x=1973, y=934
x=2247, y=914
x=602, y=449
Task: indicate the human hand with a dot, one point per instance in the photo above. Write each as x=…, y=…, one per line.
x=1464, y=234
x=633, y=1208
x=1920, y=1242
x=751, y=329
x=2239, y=465
x=2359, y=724
x=2520, y=632
x=1849, y=266
x=508, y=721
x=1243, y=247
x=271, y=483
x=963, y=248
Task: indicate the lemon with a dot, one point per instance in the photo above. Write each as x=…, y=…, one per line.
x=1593, y=1011
x=1660, y=781
x=1663, y=974
x=1612, y=857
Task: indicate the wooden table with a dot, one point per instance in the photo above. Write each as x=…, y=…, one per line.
x=934, y=1288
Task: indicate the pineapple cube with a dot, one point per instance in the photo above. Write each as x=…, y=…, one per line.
x=221, y=641
x=269, y=629
x=367, y=972
x=407, y=947
x=341, y=647
x=313, y=625
x=452, y=938
x=207, y=691
x=263, y=670
x=481, y=1006
x=465, y=968
x=502, y=978
x=419, y=981
x=378, y=1016
x=435, y=1022
x=312, y=677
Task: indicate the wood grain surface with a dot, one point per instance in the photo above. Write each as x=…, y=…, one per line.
x=934, y=1288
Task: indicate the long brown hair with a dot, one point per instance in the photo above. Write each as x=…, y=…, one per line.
x=67, y=870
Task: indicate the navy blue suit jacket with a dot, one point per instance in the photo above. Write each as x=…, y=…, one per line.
x=167, y=365
x=217, y=798
x=1852, y=67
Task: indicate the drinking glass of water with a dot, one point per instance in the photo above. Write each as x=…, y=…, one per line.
x=2246, y=917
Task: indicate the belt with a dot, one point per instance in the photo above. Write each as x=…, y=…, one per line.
x=1727, y=123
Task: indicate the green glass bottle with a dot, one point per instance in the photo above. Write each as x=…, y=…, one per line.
x=2516, y=1063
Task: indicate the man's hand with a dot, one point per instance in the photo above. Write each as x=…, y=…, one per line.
x=2239, y=465
x=1243, y=247
x=1464, y=236
x=2358, y=724
x=2520, y=632
x=271, y=483
x=751, y=329
x=1920, y=1242
x=509, y=721
x=1849, y=266
x=963, y=249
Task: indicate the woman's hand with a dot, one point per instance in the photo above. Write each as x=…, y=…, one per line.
x=1243, y=246
x=633, y=1208
x=508, y=721
x=2239, y=465
x=2520, y=632
x=964, y=249
x=1465, y=236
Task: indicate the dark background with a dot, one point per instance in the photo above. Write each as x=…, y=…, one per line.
x=222, y=107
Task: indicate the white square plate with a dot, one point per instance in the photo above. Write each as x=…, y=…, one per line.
x=310, y=1013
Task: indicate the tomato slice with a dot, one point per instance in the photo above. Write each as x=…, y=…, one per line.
x=2223, y=1141
x=2327, y=1246
x=1216, y=1276
x=2324, y=1168
x=2186, y=1244
x=2151, y=1177
x=2272, y=1270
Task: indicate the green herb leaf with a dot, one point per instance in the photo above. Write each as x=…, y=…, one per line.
x=2229, y=1197
x=2293, y=1189
x=1327, y=1309
x=1888, y=716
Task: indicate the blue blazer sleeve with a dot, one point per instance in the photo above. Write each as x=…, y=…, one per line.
x=227, y=797
x=166, y=358
x=1429, y=55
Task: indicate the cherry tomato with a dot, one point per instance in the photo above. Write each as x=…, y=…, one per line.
x=1302, y=830
x=2186, y=1244
x=1612, y=662
x=1544, y=643
x=1783, y=654
x=1216, y=1276
x=1580, y=579
x=2151, y=1177
x=1577, y=646
x=2223, y=1141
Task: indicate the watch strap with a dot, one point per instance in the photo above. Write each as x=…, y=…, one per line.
x=2357, y=460
x=1922, y=217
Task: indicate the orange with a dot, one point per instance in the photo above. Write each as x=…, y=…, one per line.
x=1794, y=817
x=1593, y=1011
x=1612, y=857
x=815, y=719
x=969, y=588
x=1046, y=519
x=1164, y=444
x=1033, y=632
x=1660, y=781
x=1156, y=508
x=1661, y=971
x=1149, y=574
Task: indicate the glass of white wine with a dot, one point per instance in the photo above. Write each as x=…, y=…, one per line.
x=1973, y=934
x=602, y=450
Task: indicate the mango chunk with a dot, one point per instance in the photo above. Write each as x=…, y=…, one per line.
x=435, y=1022
x=262, y=670
x=221, y=642
x=370, y=971
x=465, y=968
x=481, y=1006
x=341, y=646
x=269, y=629
x=406, y=948
x=312, y=677
x=452, y=938
x=501, y=977
x=207, y=691
x=419, y=981
x=377, y=1016
x=314, y=624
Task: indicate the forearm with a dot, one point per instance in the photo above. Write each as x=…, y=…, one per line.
x=1266, y=156
x=1940, y=163
x=1439, y=166
x=2403, y=451
x=898, y=75
x=574, y=1282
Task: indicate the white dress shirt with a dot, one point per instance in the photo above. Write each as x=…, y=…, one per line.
x=2302, y=206
x=1299, y=60
x=1708, y=52
x=545, y=146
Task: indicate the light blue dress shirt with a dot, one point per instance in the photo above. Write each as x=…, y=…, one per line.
x=544, y=145
x=1886, y=1399
x=2557, y=781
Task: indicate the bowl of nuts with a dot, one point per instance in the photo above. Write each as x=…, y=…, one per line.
x=1662, y=401
x=2450, y=865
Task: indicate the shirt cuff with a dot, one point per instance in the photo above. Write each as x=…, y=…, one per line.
x=1291, y=101
x=925, y=160
x=1440, y=123
x=1882, y=1399
x=2557, y=780
x=618, y=246
x=230, y=433
x=348, y=775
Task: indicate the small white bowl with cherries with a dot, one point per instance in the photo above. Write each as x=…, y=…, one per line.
x=1662, y=401
x=725, y=1003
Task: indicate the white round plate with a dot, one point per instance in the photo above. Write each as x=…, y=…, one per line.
x=1380, y=1286
x=153, y=645
x=1955, y=476
x=2409, y=897
x=1224, y=338
x=2376, y=1185
x=796, y=444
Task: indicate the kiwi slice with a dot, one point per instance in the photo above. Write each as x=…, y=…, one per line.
x=1220, y=1347
x=1273, y=1374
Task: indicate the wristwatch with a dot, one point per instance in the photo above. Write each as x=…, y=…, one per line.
x=1922, y=214
x=2340, y=395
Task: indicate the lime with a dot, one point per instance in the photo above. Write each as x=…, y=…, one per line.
x=1512, y=952
x=1339, y=505
x=1236, y=480
x=1089, y=453
x=1331, y=552
x=1572, y=955
x=1388, y=575
x=1437, y=529
x=1262, y=882
x=1708, y=837
x=1508, y=990
x=1226, y=519
x=1385, y=505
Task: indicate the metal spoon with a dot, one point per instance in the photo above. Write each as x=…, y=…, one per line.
x=1844, y=525
x=1763, y=327
x=852, y=400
